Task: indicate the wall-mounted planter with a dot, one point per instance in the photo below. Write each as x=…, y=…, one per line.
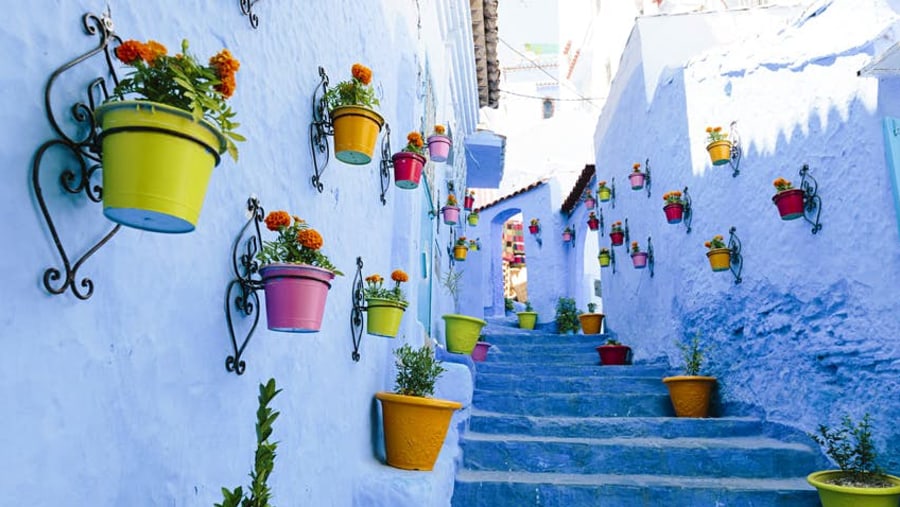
x=637, y=180
x=719, y=259
x=567, y=236
x=639, y=260
x=469, y=201
x=617, y=237
x=789, y=203
x=356, y=130
x=460, y=252
x=462, y=332
x=450, y=214
x=613, y=355
x=803, y=202
x=674, y=212
x=593, y=222
x=719, y=152
x=295, y=296
x=726, y=258
x=604, y=193
x=472, y=219
x=439, y=147
x=604, y=258
x=407, y=169
x=589, y=203
x=414, y=429
x=157, y=162
x=534, y=229
x=383, y=316
x=724, y=151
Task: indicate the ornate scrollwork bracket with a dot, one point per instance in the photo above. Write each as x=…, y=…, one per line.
x=651, y=262
x=736, y=260
x=812, y=202
x=387, y=163
x=647, y=180
x=688, y=214
x=358, y=298
x=736, y=150
x=612, y=191
x=84, y=148
x=602, y=222
x=319, y=129
x=247, y=10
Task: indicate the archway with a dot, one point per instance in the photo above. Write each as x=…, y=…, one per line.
x=507, y=260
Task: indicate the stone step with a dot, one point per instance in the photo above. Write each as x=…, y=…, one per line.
x=540, y=338
x=518, y=489
x=582, y=384
x=748, y=457
x=609, y=427
x=579, y=404
x=581, y=354
x=527, y=370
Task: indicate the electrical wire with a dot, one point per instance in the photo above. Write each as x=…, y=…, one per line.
x=582, y=99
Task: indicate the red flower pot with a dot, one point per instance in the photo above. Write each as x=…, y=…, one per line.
x=468, y=203
x=639, y=260
x=613, y=354
x=617, y=238
x=637, y=180
x=674, y=212
x=593, y=224
x=407, y=169
x=533, y=229
x=790, y=203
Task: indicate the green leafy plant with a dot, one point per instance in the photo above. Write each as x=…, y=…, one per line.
x=375, y=287
x=259, y=493
x=508, y=304
x=613, y=341
x=850, y=446
x=358, y=91
x=567, y=315
x=414, y=143
x=181, y=81
x=528, y=307
x=297, y=243
x=591, y=307
x=692, y=355
x=616, y=227
x=715, y=134
x=417, y=371
x=716, y=242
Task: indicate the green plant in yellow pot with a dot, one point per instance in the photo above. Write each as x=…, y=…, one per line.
x=351, y=105
x=528, y=318
x=690, y=393
x=591, y=321
x=385, y=306
x=860, y=482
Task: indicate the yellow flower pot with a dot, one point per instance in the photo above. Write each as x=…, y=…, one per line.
x=690, y=394
x=384, y=316
x=590, y=322
x=719, y=259
x=356, y=130
x=833, y=495
x=604, y=194
x=460, y=252
x=414, y=429
x=157, y=162
x=719, y=152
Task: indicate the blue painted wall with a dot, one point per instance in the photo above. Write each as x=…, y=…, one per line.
x=124, y=399
x=811, y=333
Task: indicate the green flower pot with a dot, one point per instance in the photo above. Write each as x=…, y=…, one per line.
x=527, y=320
x=833, y=495
x=384, y=316
x=462, y=332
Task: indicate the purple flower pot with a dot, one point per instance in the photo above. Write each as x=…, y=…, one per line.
x=295, y=296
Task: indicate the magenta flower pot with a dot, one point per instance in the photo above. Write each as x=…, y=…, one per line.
x=613, y=354
x=674, y=213
x=479, y=353
x=439, y=147
x=468, y=203
x=790, y=203
x=637, y=180
x=639, y=260
x=407, y=169
x=593, y=224
x=617, y=238
x=295, y=296
x=451, y=215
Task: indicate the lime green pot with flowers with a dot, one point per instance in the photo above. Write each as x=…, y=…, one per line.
x=385, y=306
x=528, y=318
x=162, y=133
x=462, y=332
x=296, y=275
x=356, y=123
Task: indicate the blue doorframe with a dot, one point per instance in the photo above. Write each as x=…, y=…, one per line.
x=892, y=154
x=426, y=239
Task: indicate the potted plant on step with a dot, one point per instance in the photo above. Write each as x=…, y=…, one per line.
x=604, y=257
x=638, y=258
x=508, y=305
x=589, y=201
x=616, y=234
x=415, y=425
x=674, y=208
x=566, y=316
x=296, y=275
x=162, y=131
x=409, y=161
x=592, y=221
x=385, y=307
x=636, y=177
x=719, y=255
x=462, y=332
x=788, y=199
x=718, y=146
x=590, y=321
x=860, y=482
x=690, y=393
x=613, y=353
x=604, y=193
x=439, y=144
x=473, y=218
x=528, y=318
x=351, y=105
x=451, y=210
x=479, y=353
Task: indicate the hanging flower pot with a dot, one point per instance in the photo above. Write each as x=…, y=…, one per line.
x=295, y=296
x=356, y=130
x=451, y=215
x=674, y=213
x=472, y=219
x=613, y=353
x=479, y=353
x=719, y=259
x=616, y=234
x=636, y=177
x=789, y=200
x=469, y=201
x=604, y=193
x=462, y=332
x=460, y=252
x=439, y=145
x=535, y=226
x=593, y=222
x=473, y=245
x=589, y=201
x=604, y=258
x=639, y=259
x=567, y=235
x=384, y=306
x=719, y=146
x=407, y=169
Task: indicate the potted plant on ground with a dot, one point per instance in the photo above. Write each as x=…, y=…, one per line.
x=508, y=305
x=534, y=226
x=592, y=221
x=613, y=353
x=439, y=144
x=690, y=393
x=566, y=316
x=718, y=146
x=590, y=321
x=567, y=234
x=460, y=249
x=604, y=193
x=473, y=218
x=462, y=332
x=479, y=353
x=162, y=131
x=616, y=234
x=415, y=425
x=604, y=257
x=589, y=201
x=636, y=177
x=719, y=255
x=451, y=210
x=638, y=258
x=296, y=275
x=788, y=199
x=674, y=208
x=351, y=105
x=528, y=318
x=385, y=306
x=409, y=161
x=860, y=482
x=469, y=200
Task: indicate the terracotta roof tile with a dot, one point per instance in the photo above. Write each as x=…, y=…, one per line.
x=578, y=189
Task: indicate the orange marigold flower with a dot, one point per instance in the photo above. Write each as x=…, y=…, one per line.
x=709, y=129
x=225, y=63
x=310, y=238
x=362, y=73
x=399, y=276
x=226, y=86
x=129, y=51
x=717, y=129
x=707, y=244
x=277, y=219
x=375, y=278
x=636, y=165
x=415, y=139
x=439, y=129
x=152, y=50
x=603, y=183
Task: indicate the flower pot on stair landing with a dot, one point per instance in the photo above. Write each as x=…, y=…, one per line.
x=462, y=332
x=690, y=394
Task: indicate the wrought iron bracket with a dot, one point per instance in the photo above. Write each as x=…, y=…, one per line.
x=387, y=163
x=241, y=295
x=247, y=10
x=736, y=259
x=537, y=236
x=650, y=260
x=602, y=223
x=736, y=150
x=612, y=259
x=358, y=300
x=319, y=129
x=627, y=234
x=612, y=192
x=647, y=180
x=812, y=202
x=85, y=149
x=688, y=214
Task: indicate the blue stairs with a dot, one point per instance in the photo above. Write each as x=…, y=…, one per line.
x=551, y=427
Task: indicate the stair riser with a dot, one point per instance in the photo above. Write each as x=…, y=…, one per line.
x=572, y=370
x=545, y=339
x=550, y=384
x=621, y=427
x=544, y=355
x=552, y=495
x=578, y=405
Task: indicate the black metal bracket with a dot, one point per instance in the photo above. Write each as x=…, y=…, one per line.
x=647, y=180
x=612, y=259
x=688, y=214
x=319, y=129
x=358, y=299
x=85, y=149
x=387, y=163
x=247, y=10
x=241, y=295
x=736, y=260
x=537, y=236
x=736, y=150
x=602, y=223
x=627, y=234
x=812, y=202
x=650, y=260
x=612, y=191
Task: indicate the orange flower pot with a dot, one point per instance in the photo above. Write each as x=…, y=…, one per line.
x=690, y=394
x=591, y=322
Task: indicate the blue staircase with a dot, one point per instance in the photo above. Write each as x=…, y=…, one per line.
x=551, y=427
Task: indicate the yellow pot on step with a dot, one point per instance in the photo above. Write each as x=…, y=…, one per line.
x=414, y=429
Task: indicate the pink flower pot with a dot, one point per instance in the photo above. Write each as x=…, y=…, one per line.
x=637, y=180
x=566, y=237
x=617, y=238
x=674, y=213
x=451, y=214
x=295, y=296
x=439, y=147
x=613, y=354
x=407, y=169
x=479, y=353
x=468, y=203
x=790, y=203
x=639, y=260
x=593, y=224
x=589, y=203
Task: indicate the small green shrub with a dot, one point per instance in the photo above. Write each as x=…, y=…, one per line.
x=417, y=371
x=567, y=315
x=508, y=304
x=851, y=448
x=528, y=307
